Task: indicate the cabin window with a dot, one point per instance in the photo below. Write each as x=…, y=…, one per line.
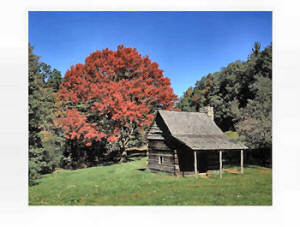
x=160, y=160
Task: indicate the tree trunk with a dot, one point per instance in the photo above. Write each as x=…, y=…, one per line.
x=124, y=157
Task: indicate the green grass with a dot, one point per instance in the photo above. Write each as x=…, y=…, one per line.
x=232, y=135
x=123, y=184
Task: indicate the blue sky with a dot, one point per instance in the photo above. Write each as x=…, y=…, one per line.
x=186, y=45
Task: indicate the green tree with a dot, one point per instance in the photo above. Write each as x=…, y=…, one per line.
x=185, y=101
x=44, y=136
x=254, y=121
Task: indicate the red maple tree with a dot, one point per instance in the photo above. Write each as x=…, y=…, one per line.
x=112, y=96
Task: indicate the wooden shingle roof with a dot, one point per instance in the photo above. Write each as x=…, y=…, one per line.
x=197, y=131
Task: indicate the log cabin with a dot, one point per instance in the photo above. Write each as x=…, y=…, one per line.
x=182, y=143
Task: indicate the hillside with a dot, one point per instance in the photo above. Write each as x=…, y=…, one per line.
x=126, y=184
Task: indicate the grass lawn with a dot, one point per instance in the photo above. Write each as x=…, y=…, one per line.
x=124, y=184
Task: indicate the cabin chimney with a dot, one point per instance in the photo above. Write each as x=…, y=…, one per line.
x=208, y=110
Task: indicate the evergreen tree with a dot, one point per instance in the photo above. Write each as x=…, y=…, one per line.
x=44, y=135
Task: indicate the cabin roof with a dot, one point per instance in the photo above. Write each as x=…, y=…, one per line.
x=197, y=131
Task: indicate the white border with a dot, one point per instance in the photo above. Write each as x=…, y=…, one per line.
x=14, y=210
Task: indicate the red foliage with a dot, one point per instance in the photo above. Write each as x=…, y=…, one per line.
x=112, y=95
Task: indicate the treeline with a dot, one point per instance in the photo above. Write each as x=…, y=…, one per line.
x=241, y=95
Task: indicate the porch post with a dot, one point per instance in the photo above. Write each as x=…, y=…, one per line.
x=242, y=162
x=195, y=164
x=177, y=169
x=220, y=160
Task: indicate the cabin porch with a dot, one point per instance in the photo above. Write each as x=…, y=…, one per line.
x=200, y=162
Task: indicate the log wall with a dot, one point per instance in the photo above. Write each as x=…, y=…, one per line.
x=160, y=157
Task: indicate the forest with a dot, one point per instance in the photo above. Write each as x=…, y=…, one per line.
x=99, y=109
x=241, y=95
